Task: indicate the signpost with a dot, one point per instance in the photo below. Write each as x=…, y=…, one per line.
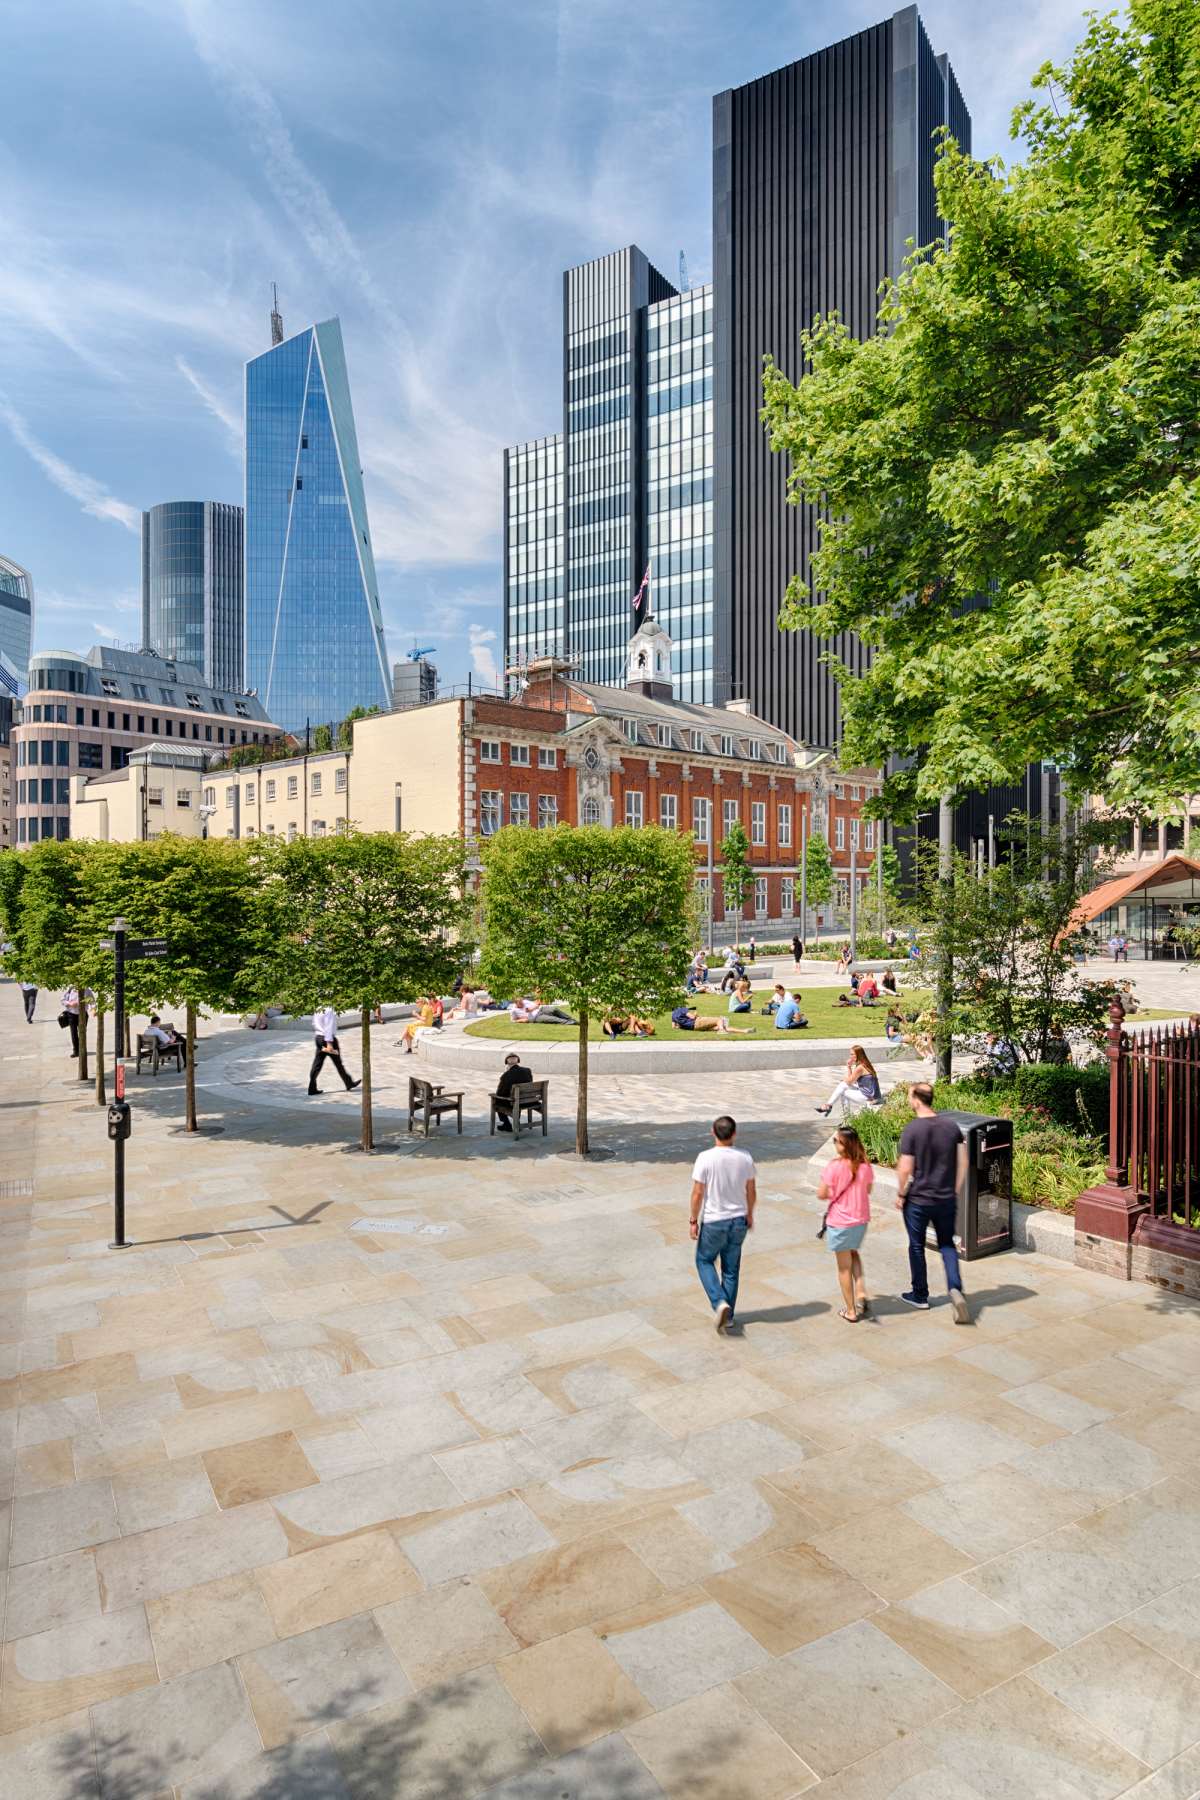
x=120, y=1122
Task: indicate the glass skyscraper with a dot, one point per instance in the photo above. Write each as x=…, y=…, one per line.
x=16, y=624
x=314, y=630
x=822, y=175
x=192, y=605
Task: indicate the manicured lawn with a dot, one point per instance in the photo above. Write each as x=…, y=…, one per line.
x=826, y=1019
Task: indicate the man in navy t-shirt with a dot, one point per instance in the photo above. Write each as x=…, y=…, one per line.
x=930, y=1171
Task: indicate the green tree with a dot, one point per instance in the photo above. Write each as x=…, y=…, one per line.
x=818, y=882
x=198, y=894
x=345, y=731
x=1007, y=473
x=357, y=919
x=737, y=876
x=601, y=918
x=1009, y=934
x=53, y=950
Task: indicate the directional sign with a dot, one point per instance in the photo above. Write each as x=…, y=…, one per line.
x=146, y=947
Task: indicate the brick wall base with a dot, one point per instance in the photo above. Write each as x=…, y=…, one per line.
x=1166, y=1256
x=1103, y=1256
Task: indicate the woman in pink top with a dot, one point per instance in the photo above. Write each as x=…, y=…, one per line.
x=845, y=1187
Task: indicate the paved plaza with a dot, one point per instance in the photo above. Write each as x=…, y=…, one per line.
x=425, y=1476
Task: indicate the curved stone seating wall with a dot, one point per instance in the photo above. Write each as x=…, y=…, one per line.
x=648, y=1056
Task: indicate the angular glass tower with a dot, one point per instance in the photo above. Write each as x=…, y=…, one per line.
x=16, y=623
x=314, y=631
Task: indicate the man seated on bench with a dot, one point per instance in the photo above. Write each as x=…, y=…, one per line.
x=168, y=1037
x=515, y=1074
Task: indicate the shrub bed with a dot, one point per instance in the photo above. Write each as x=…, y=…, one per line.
x=1054, y=1156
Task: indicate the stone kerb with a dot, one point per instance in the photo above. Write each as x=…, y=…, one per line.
x=654, y=1056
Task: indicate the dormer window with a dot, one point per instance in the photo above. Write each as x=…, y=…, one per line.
x=728, y=746
x=698, y=741
x=755, y=748
x=631, y=730
x=193, y=700
x=664, y=736
x=110, y=687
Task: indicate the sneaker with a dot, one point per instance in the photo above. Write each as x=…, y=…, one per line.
x=502, y=1125
x=724, y=1314
x=352, y=1084
x=314, y=1091
x=911, y=1300
x=958, y=1301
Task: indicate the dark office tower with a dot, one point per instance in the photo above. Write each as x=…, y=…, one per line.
x=822, y=174
x=192, y=586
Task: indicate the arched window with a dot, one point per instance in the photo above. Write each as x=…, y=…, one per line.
x=591, y=812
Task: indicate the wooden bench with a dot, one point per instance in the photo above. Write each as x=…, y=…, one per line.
x=529, y=1099
x=150, y=1050
x=426, y=1102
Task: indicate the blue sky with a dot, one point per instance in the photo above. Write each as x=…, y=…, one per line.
x=425, y=171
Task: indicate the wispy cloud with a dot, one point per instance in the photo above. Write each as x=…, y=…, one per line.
x=91, y=494
x=219, y=408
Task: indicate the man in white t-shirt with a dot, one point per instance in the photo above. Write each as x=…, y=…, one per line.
x=724, y=1195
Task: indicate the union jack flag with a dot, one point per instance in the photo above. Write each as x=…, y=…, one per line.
x=643, y=591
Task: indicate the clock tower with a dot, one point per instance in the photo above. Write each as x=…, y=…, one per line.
x=648, y=665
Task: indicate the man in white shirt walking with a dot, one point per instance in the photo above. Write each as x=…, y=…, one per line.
x=29, y=994
x=724, y=1195
x=325, y=1021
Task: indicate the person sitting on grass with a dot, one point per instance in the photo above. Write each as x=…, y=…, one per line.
x=686, y=1018
x=893, y=1031
x=778, y=996
x=868, y=990
x=788, y=1016
x=889, y=982
x=740, y=1000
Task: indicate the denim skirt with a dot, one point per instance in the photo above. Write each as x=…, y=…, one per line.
x=845, y=1237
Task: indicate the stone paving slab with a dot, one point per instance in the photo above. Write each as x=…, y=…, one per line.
x=483, y=1508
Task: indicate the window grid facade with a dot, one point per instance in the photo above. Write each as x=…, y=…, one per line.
x=533, y=526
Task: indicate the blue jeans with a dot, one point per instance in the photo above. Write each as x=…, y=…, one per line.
x=942, y=1215
x=722, y=1238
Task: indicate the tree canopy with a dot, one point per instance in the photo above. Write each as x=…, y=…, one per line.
x=737, y=877
x=1006, y=474
x=601, y=917
x=353, y=920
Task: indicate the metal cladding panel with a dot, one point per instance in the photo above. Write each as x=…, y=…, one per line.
x=822, y=172
x=801, y=225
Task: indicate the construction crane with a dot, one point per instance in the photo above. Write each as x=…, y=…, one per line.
x=415, y=655
x=684, y=283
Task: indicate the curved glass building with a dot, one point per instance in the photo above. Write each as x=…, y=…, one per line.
x=314, y=631
x=192, y=586
x=16, y=623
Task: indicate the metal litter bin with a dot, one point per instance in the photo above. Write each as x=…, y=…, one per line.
x=985, y=1204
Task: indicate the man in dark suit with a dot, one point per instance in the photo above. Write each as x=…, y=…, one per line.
x=514, y=1074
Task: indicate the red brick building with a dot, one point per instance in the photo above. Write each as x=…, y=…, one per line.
x=569, y=751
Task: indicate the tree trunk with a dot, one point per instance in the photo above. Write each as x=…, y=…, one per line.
x=368, y=1131
x=83, y=1055
x=189, y=1074
x=944, y=1037
x=581, y=1103
x=101, y=1096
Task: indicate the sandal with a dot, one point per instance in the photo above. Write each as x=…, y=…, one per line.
x=850, y=1318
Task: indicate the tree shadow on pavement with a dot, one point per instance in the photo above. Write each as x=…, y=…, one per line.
x=465, y=1739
